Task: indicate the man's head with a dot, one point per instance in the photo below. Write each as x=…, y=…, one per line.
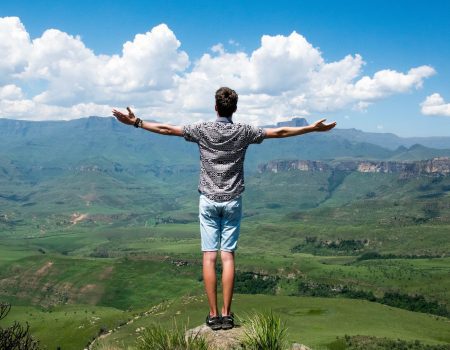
x=226, y=102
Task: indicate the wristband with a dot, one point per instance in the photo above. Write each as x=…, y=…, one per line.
x=138, y=123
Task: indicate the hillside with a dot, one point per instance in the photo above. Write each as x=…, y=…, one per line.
x=99, y=224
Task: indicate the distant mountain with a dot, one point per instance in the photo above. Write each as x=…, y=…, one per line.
x=392, y=141
x=292, y=122
x=65, y=144
x=386, y=140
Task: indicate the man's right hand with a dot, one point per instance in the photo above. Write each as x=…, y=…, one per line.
x=288, y=131
x=320, y=126
x=128, y=119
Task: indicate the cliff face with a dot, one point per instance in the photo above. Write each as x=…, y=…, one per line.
x=435, y=166
x=276, y=166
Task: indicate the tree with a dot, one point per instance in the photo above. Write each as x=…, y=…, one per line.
x=17, y=336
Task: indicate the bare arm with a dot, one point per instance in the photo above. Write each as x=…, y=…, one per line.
x=164, y=129
x=288, y=131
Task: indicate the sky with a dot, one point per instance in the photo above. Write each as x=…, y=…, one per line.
x=378, y=66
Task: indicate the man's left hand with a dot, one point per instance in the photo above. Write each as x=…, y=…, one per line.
x=128, y=119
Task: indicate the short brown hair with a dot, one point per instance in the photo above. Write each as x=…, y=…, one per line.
x=226, y=101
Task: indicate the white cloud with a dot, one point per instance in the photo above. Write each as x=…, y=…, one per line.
x=283, y=63
x=218, y=48
x=10, y=92
x=387, y=82
x=435, y=105
x=57, y=76
x=14, y=47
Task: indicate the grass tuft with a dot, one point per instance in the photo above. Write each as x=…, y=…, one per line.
x=158, y=338
x=265, y=331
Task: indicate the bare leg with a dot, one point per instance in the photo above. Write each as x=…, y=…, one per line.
x=227, y=280
x=210, y=280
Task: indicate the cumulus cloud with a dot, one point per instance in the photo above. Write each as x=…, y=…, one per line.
x=55, y=76
x=435, y=105
x=10, y=92
x=15, y=47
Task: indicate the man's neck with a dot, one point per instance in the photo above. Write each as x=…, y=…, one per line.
x=224, y=119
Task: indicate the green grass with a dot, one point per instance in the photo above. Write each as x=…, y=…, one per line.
x=157, y=337
x=48, y=280
x=315, y=322
x=9, y=253
x=69, y=326
x=265, y=331
x=136, y=270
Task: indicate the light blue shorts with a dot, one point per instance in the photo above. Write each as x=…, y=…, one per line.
x=220, y=224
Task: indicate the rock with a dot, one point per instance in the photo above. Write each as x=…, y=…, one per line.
x=221, y=339
x=435, y=166
x=227, y=340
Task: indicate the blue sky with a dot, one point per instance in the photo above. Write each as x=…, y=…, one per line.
x=377, y=36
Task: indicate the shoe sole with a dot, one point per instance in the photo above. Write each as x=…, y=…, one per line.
x=215, y=328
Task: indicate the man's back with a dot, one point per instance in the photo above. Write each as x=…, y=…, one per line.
x=222, y=146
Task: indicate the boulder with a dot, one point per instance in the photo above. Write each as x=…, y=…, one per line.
x=229, y=339
x=221, y=339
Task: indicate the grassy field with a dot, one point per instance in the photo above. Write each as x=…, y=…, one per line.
x=70, y=327
x=315, y=322
x=98, y=246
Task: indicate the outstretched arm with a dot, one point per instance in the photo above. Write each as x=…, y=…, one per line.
x=288, y=131
x=158, y=128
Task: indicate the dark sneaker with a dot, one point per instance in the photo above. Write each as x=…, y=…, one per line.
x=214, y=322
x=228, y=321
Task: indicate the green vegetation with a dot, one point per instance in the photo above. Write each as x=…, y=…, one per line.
x=312, y=321
x=324, y=247
x=409, y=302
x=265, y=331
x=376, y=255
x=16, y=336
x=254, y=283
x=106, y=229
x=359, y=342
x=156, y=337
x=70, y=327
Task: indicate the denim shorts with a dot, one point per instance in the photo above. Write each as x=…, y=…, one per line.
x=220, y=224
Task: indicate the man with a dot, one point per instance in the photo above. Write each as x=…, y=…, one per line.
x=222, y=146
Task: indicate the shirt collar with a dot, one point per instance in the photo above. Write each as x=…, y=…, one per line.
x=224, y=120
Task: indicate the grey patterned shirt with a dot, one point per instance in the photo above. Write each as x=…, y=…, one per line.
x=222, y=146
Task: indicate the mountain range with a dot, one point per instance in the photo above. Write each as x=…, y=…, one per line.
x=92, y=140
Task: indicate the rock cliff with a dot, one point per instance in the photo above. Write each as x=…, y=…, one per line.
x=435, y=166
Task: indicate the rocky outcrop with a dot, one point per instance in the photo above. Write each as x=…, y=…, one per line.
x=292, y=122
x=276, y=166
x=218, y=340
x=227, y=340
x=435, y=166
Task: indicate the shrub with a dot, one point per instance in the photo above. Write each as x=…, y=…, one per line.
x=157, y=338
x=17, y=336
x=265, y=331
x=254, y=283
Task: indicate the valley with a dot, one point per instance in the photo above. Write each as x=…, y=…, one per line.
x=338, y=237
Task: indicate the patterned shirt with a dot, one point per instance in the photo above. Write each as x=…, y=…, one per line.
x=222, y=146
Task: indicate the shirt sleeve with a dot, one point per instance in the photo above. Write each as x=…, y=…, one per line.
x=255, y=135
x=191, y=132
